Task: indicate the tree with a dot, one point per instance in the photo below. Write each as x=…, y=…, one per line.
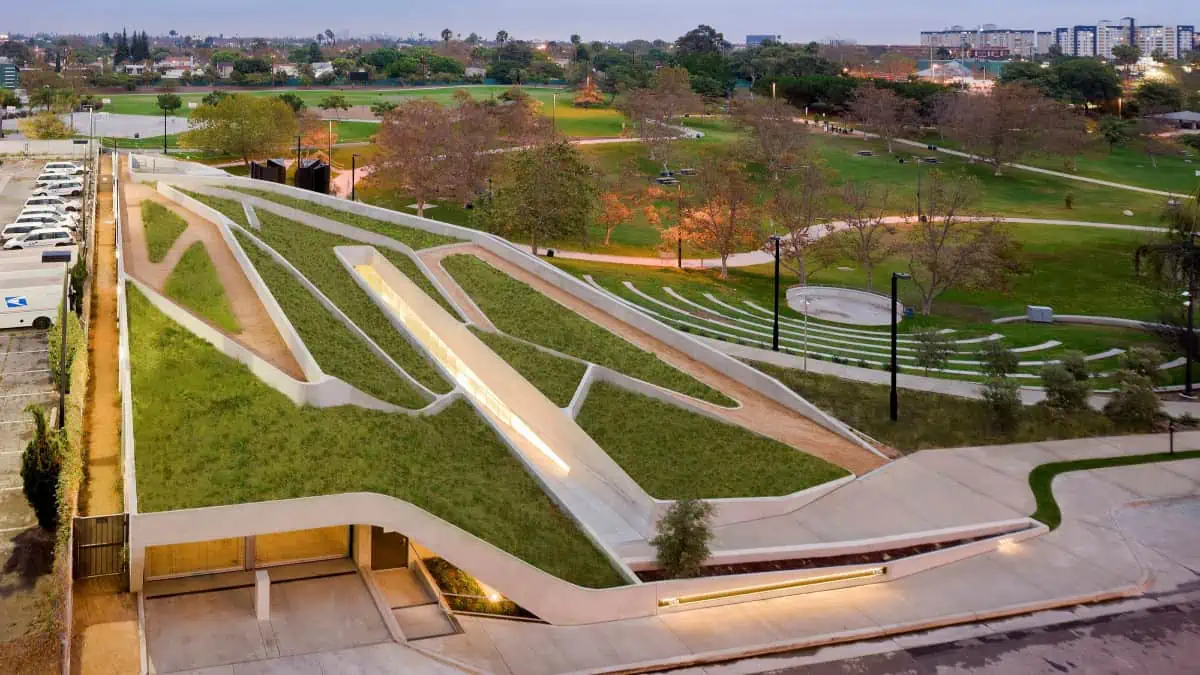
x=1126, y=54
x=654, y=110
x=1115, y=130
x=613, y=213
x=121, y=51
x=1002, y=397
x=796, y=215
x=293, y=101
x=548, y=193
x=949, y=249
x=334, y=102
x=1154, y=98
x=382, y=108
x=721, y=221
x=243, y=126
x=1134, y=405
x=45, y=126
x=446, y=35
x=169, y=103
x=998, y=360
x=1065, y=134
x=776, y=139
x=1152, y=137
x=1013, y=121
x=883, y=112
x=1144, y=361
x=588, y=95
x=681, y=544
x=702, y=39
x=1064, y=392
x=329, y=36
x=868, y=238
x=414, y=140
x=933, y=349
x=501, y=37
x=40, y=465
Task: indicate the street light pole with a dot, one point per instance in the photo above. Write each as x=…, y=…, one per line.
x=297, y=152
x=353, y=182
x=329, y=143
x=806, y=333
x=679, y=232
x=554, y=110
x=775, y=324
x=894, y=401
x=1191, y=315
x=165, y=131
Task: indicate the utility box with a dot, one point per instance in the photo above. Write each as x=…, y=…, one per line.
x=1039, y=314
x=313, y=174
x=273, y=170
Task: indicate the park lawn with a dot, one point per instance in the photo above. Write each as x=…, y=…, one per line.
x=351, y=131
x=523, y=312
x=336, y=349
x=143, y=143
x=211, y=433
x=1129, y=166
x=311, y=252
x=162, y=227
x=674, y=453
x=195, y=285
x=229, y=208
x=929, y=420
x=554, y=376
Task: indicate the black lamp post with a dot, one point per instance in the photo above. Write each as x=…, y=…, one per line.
x=775, y=325
x=353, y=182
x=297, y=152
x=1191, y=315
x=895, y=402
x=679, y=234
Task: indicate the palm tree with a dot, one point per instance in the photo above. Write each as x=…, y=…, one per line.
x=329, y=35
x=446, y=35
x=502, y=37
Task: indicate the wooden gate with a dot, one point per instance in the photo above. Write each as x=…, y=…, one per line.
x=100, y=544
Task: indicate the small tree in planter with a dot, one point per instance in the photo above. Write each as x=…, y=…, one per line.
x=933, y=350
x=998, y=360
x=1003, y=401
x=40, y=466
x=683, y=536
x=1064, y=392
x=1075, y=364
x=1144, y=361
x=1134, y=405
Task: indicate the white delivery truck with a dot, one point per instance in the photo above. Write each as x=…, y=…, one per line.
x=31, y=297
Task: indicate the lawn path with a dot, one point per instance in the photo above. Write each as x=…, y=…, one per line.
x=258, y=332
x=756, y=412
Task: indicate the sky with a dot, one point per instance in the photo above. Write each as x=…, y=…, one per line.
x=865, y=21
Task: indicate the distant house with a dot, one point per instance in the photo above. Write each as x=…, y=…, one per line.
x=475, y=71
x=954, y=72
x=755, y=40
x=224, y=69
x=289, y=69
x=321, y=67
x=175, y=63
x=1185, y=119
x=134, y=68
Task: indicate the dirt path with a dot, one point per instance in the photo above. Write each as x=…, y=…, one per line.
x=258, y=332
x=757, y=412
x=105, y=625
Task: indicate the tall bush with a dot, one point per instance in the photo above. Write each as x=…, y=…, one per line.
x=1144, y=361
x=998, y=360
x=682, y=539
x=1134, y=405
x=40, y=466
x=1003, y=400
x=933, y=350
x=1064, y=392
x=1076, y=364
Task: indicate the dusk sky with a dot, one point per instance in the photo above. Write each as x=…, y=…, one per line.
x=867, y=21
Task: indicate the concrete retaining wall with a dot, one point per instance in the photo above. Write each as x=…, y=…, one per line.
x=67, y=149
x=124, y=374
x=693, y=348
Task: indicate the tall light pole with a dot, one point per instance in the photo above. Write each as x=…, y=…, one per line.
x=329, y=143
x=806, y=332
x=894, y=401
x=679, y=232
x=554, y=110
x=353, y=183
x=775, y=324
x=1191, y=340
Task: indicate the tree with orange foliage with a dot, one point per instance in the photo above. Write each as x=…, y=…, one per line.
x=722, y=221
x=613, y=212
x=589, y=95
x=316, y=134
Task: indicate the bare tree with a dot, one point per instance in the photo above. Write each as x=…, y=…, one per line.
x=776, y=139
x=1011, y=122
x=721, y=221
x=1066, y=135
x=1150, y=137
x=883, y=112
x=868, y=239
x=950, y=248
x=656, y=110
x=799, y=217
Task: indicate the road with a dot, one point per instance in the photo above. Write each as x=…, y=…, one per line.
x=1163, y=641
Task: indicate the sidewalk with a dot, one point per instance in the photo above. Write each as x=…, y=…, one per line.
x=1106, y=548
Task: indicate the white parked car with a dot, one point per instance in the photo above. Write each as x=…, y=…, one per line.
x=49, y=208
x=41, y=238
x=64, y=167
x=46, y=200
x=18, y=230
x=51, y=178
x=47, y=219
x=59, y=190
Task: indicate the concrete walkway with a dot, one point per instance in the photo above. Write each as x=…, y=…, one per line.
x=1099, y=553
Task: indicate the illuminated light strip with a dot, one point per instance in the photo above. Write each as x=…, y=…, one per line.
x=463, y=375
x=750, y=590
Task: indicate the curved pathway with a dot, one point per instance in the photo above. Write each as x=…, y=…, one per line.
x=756, y=412
x=258, y=331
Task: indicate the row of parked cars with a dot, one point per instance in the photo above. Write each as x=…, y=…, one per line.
x=51, y=216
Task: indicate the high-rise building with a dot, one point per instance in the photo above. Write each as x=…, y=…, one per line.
x=1045, y=38
x=1020, y=43
x=9, y=77
x=754, y=40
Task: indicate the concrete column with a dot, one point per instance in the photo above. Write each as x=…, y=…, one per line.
x=262, y=595
x=362, y=546
x=137, y=567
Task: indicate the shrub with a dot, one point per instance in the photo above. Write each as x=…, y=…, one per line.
x=1075, y=364
x=933, y=350
x=45, y=126
x=40, y=466
x=682, y=539
x=1134, y=405
x=1069, y=200
x=998, y=360
x=62, y=372
x=1144, y=361
x=1003, y=400
x=1188, y=420
x=1064, y=392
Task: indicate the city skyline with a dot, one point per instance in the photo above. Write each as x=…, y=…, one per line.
x=620, y=20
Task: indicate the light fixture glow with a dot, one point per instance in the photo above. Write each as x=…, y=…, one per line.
x=751, y=590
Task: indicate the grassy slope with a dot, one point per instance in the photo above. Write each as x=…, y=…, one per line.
x=677, y=454
x=930, y=420
x=163, y=226
x=414, y=238
x=231, y=209
x=555, y=377
x=337, y=351
x=311, y=251
x=211, y=433
x=194, y=284
x=522, y=312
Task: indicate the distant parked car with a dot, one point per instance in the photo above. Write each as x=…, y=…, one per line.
x=18, y=230
x=64, y=167
x=46, y=200
x=59, y=190
x=47, y=219
x=41, y=238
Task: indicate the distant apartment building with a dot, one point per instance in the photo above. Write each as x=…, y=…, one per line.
x=1076, y=40
x=755, y=40
x=1045, y=38
x=1097, y=39
x=984, y=42
x=9, y=77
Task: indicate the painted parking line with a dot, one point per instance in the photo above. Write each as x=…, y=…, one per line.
x=18, y=422
x=23, y=372
x=17, y=529
x=10, y=489
x=35, y=393
x=30, y=351
x=6, y=453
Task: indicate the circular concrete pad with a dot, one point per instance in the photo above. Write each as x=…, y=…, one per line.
x=844, y=305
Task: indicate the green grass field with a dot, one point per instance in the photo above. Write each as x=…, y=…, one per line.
x=678, y=454
x=523, y=312
x=162, y=227
x=194, y=284
x=556, y=377
x=211, y=433
x=576, y=122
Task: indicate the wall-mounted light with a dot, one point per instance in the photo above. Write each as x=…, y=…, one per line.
x=751, y=590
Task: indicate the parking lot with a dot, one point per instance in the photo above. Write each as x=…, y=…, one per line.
x=16, y=185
